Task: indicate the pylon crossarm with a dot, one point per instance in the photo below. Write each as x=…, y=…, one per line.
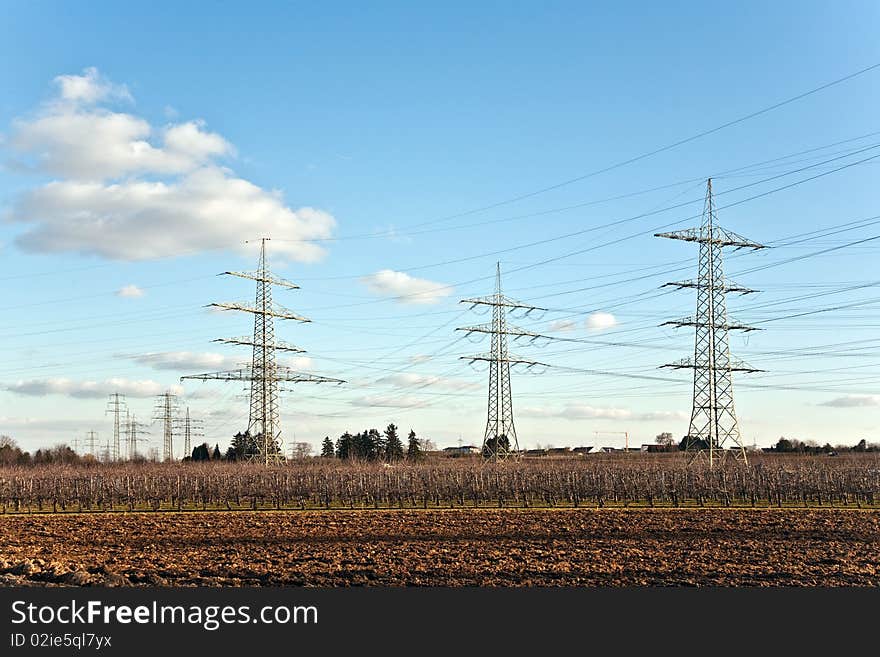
x=279, y=312
x=688, y=363
x=280, y=345
x=271, y=280
x=726, y=287
x=287, y=374
x=501, y=301
x=719, y=236
x=231, y=375
x=511, y=330
x=726, y=326
x=510, y=360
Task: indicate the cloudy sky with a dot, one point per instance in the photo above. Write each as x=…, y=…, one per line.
x=394, y=154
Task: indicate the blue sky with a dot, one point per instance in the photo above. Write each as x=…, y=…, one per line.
x=142, y=145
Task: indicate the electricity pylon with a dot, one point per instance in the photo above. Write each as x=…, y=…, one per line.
x=115, y=405
x=264, y=374
x=500, y=440
x=92, y=443
x=166, y=412
x=133, y=428
x=713, y=417
x=191, y=427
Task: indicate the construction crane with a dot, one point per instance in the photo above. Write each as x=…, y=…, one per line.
x=625, y=435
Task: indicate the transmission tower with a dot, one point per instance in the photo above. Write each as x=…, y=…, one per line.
x=92, y=443
x=264, y=374
x=166, y=412
x=190, y=427
x=133, y=429
x=713, y=418
x=115, y=405
x=500, y=440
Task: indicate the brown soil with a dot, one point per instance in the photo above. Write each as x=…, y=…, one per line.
x=608, y=547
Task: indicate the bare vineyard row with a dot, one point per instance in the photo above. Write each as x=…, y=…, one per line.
x=806, y=482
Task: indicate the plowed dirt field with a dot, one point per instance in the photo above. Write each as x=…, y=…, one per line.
x=581, y=547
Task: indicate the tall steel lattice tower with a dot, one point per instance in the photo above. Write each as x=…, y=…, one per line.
x=115, y=405
x=191, y=428
x=264, y=374
x=133, y=429
x=166, y=412
x=713, y=418
x=500, y=440
x=92, y=443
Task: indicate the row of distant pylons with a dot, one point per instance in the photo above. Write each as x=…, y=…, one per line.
x=128, y=432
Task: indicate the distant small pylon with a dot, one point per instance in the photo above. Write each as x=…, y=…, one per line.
x=500, y=440
x=166, y=412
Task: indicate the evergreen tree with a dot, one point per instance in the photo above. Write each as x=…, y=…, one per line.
x=344, y=446
x=496, y=444
x=201, y=452
x=216, y=455
x=393, y=447
x=327, y=448
x=244, y=445
x=414, y=447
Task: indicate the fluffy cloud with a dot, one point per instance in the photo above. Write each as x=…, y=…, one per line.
x=419, y=358
x=183, y=360
x=127, y=190
x=389, y=401
x=408, y=380
x=89, y=88
x=130, y=291
x=853, y=401
x=601, y=321
x=587, y=412
x=405, y=288
x=90, y=389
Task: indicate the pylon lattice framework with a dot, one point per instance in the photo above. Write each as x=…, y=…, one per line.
x=713, y=416
x=500, y=440
x=166, y=412
x=264, y=374
x=191, y=428
x=115, y=405
x=133, y=429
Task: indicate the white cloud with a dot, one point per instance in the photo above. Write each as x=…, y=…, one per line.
x=563, y=325
x=409, y=380
x=90, y=389
x=89, y=88
x=30, y=423
x=392, y=401
x=652, y=416
x=405, y=288
x=297, y=362
x=587, y=412
x=127, y=190
x=131, y=291
x=190, y=361
x=183, y=360
x=419, y=358
x=853, y=401
x=601, y=321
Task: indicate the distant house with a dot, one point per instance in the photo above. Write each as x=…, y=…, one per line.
x=582, y=450
x=461, y=450
x=652, y=447
x=558, y=451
